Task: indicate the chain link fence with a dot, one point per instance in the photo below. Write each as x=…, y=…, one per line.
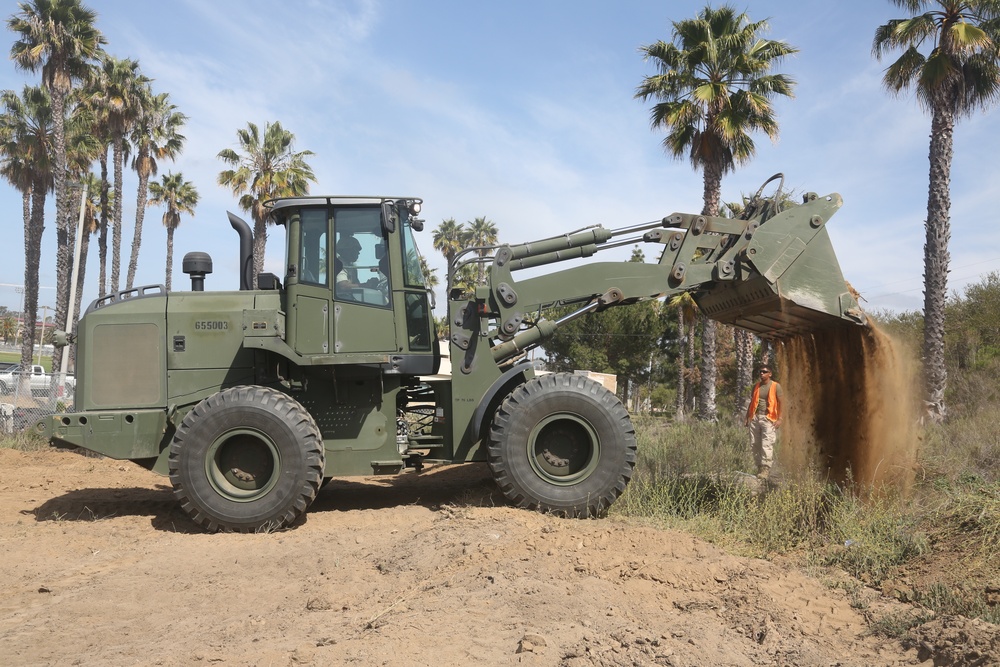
x=27, y=396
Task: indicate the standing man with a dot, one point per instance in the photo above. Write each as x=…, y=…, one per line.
x=764, y=419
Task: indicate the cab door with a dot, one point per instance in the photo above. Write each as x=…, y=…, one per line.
x=310, y=283
x=363, y=299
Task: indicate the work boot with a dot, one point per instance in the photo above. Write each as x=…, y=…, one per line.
x=764, y=473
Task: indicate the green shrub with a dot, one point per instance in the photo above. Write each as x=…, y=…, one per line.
x=688, y=476
x=25, y=441
x=969, y=510
x=783, y=519
x=690, y=448
x=958, y=600
x=965, y=447
x=871, y=535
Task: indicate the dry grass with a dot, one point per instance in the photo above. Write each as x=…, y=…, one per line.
x=691, y=477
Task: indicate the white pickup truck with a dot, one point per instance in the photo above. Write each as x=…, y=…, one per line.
x=41, y=382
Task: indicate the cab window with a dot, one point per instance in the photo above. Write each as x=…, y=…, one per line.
x=361, y=263
x=413, y=275
x=313, y=248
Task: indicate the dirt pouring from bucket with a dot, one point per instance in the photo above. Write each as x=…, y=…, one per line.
x=851, y=407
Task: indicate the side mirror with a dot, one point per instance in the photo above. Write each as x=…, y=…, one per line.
x=59, y=338
x=389, y=217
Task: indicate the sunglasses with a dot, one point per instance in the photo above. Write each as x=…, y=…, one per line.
x=765, y=371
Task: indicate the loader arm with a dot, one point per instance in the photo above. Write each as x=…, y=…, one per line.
x=776, y=276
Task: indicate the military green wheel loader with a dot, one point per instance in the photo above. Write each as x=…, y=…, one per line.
x=248, y=400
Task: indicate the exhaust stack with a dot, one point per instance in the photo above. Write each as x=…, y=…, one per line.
x=246, y=250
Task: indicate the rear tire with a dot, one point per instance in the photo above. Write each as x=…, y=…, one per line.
x=246, y=459
x=562, y=443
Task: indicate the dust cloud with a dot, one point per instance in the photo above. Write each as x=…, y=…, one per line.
x=851, y=407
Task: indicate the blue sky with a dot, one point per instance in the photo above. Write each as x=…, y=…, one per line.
x=523, y=112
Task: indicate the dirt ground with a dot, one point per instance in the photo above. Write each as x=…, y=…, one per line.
x=101, y=568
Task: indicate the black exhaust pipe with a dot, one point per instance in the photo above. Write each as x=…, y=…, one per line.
x=246, y=250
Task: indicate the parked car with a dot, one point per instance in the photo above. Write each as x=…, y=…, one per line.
x=41, y=382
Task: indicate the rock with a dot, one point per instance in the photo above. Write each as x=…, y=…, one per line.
x=531, y=643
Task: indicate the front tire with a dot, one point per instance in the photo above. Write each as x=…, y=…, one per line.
x=246, y=459
x=562, y=443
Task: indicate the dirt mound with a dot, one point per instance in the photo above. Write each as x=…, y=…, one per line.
x=955, y=640
x=101, y=568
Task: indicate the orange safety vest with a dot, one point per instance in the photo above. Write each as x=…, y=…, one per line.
x=773, y=409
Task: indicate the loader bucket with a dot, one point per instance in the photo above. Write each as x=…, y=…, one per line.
x=791, y=283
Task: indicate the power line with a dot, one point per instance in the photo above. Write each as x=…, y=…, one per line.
x=22, y=286
x=914, y=289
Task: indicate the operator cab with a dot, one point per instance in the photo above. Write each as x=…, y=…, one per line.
x=354, y=284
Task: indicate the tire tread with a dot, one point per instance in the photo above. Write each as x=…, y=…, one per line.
x=283, y=406
x=520, y=400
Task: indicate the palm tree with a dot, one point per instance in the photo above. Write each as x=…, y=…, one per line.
x=430, y=275
x=26, y=144
x=482, y=234
x=687, y=311
x=120, y=91
x=93, y=99
x=155, y=136
x=59, y=38
x=714, y=88
x=449, y=240
x=265, y=167
x=743, y=341
x=179, y=196
x=81, y=149
x=8, y=328
x=959, y=75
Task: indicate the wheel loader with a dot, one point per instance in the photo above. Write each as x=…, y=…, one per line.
x=249, y=400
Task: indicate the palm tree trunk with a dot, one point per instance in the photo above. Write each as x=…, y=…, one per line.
x=64, y=241
x=706, y=396
x=28, y=242
x=744, y=369
x=102, y=241
x=259, y=246
x=116, y=220
x=936, y=259
x=140, y=214
x=690, y=394
x=170, y=256
x=32, y=258
x=766, y=352
x=709, y=374
x=681, y=341
x=712, y=179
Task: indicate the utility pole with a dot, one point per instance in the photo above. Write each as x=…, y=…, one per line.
x=71, y=315
x=41, y=339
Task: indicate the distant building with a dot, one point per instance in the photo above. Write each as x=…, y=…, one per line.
x=609, y=380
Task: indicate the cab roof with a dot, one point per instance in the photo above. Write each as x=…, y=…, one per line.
x=334, y=200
